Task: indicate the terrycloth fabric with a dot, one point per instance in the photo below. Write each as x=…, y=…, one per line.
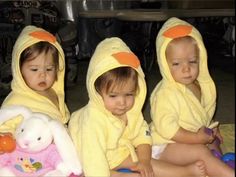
x=172, y=104
x=21, y=94
x=103, y=141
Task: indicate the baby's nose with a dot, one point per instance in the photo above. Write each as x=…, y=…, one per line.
x=186, y=68
x=42, y=73
x=122, y=101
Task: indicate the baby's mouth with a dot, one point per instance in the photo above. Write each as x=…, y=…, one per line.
x=42, y=84
x=187, y=77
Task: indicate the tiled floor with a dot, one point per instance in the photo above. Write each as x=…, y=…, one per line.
x=76, y=95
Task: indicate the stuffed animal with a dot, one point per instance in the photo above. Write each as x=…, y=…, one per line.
x=43, y=146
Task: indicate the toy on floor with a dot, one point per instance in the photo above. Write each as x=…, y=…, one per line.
x=228, y=158
x=124, y=170
x=43, y=146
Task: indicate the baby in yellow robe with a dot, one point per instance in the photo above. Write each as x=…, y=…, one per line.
x=38, y=69
x=183, y=102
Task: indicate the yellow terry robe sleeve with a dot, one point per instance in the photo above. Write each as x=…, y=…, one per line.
x=90, y=140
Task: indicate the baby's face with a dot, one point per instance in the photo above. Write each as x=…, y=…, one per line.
x=183, y=62
x=121, y=99
x=39, y=73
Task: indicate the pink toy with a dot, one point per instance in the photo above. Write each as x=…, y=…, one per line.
x=44, y=147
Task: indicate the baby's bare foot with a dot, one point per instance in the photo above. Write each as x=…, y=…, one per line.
x=197, y=169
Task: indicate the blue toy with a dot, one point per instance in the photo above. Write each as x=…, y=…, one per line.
x=228, y=156
x=229, y=159
x=124, y=170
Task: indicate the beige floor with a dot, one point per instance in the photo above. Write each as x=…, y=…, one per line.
x=76, y=95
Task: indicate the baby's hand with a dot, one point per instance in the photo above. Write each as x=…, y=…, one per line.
x=144, y=168
x=205, y=135
x=217, y=141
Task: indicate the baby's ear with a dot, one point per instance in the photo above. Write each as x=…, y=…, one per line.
x=9, y=112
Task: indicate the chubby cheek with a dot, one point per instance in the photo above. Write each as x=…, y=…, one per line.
x=24, y=76
x=175, y=73
x=29, y=81
x=131, y=102
x=109, y=104
x=52, y=77
x=196, y=71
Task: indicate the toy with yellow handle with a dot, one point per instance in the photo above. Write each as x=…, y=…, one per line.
x=228, y=158
x=213, y=125
x=209, y=131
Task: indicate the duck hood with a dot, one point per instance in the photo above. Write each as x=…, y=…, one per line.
x=174, y=28
x=109, y=54
x=24, y=95
x=29, y=36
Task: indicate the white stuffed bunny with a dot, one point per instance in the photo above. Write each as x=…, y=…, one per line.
x=44, y=147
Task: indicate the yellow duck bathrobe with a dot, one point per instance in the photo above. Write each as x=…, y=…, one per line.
x=172, y=104
x=103, y=141
x=21, y=94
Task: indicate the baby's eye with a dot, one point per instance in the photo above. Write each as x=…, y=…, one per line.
x=50, y=68
x=175, y=64
x=193, y=61
x=129, y=94
x=112, y=96
x=22, y=130
x=39, y=138
x=34, y=69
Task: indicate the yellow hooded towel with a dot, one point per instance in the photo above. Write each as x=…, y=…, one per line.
x=172, y=104
x=21, y=94
x=103, y=141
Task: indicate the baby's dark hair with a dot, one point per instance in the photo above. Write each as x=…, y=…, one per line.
x=34, y=50
x=116, y=77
